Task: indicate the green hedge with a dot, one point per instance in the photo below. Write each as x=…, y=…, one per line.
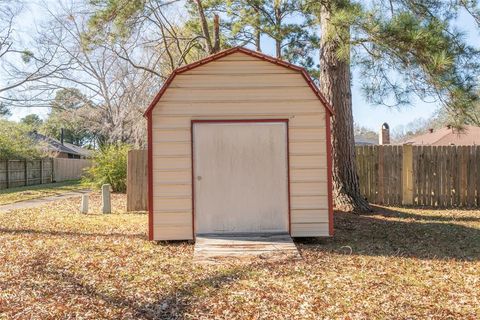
x=15, y=142
x=109, y=166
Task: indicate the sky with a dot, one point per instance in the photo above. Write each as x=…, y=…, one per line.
x=372, y=116
x=365, y=114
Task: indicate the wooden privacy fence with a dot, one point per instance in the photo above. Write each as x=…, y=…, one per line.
x=137, y=181
x=17, y=173
x=69, y=169
x=439, y=176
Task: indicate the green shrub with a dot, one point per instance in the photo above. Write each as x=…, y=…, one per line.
x=15, y=142
x=109, y=166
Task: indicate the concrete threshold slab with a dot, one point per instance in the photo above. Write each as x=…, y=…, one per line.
x=216, y=248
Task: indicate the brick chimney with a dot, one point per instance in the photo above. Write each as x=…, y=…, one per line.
x=384, y=137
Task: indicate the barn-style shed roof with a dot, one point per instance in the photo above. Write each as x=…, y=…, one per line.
x=249, y=52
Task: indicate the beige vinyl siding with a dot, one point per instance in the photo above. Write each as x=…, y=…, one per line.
x=309, y=229
x=250, y=93
x=238, y=86
x=306, y=161
x=307, y=134
x=305, y=120
x=173, y=176
x=308, y=189
x=171, y=204
x=172, y=231
x=232, y=67
x=239, y=56
x=232, y=108
x=308, y=216
x=172, y=190
x=172, y=135
x=172, y=163
x=234, y=81
x=308, y=202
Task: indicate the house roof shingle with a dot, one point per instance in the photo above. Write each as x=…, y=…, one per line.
x=52, y=144
x=469, y=135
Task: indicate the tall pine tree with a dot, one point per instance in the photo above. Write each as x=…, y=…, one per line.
x=403, y=49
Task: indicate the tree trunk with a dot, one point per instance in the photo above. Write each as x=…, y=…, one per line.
x=216, y=34
x=336, y=87
x=204, y=24
x=258, y=46
x=278, y=26
x=257, y=31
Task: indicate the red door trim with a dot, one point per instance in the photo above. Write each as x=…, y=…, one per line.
x=288, y=179
x=237, y=121
x=193, y=179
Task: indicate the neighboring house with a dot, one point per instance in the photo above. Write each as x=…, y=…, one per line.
x=447, y=136
x=383, y=137
x=364, y=141
x=60, y=149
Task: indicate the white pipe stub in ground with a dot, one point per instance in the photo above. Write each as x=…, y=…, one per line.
x=106, y=203
x=84, y=204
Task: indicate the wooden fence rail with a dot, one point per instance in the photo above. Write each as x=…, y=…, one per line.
x=438, y=176
x=69, y=169
x=17, y=173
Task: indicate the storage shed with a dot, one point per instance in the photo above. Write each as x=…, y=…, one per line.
x=239, y=142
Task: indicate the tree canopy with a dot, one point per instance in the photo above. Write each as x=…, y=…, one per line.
x=32, y=121
x=403, y=49
x=16, y=142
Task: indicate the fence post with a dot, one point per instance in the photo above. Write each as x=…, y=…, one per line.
x=84, y=204
x=52, y=178
x=407, y=172
x=106, y=203
x=41, y=171
x=26, y=172
x=8, y=173
x=381, y=175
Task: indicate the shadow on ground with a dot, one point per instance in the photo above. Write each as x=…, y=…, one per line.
x=390, y=232
x=55, y=233
x=385, y=232
x=173, y=303
x=392, y=213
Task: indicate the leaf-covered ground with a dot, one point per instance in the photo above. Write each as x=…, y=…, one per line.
x=38, y=191
x=396, y=263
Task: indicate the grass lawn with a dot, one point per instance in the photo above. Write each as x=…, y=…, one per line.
x=395, y=263
x=38, y=191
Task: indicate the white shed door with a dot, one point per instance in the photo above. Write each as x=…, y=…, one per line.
x=240, y=177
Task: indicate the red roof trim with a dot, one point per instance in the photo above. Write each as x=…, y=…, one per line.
x=249, y=52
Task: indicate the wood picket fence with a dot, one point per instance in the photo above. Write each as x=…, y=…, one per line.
x=17, y=173
x=435, y=176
